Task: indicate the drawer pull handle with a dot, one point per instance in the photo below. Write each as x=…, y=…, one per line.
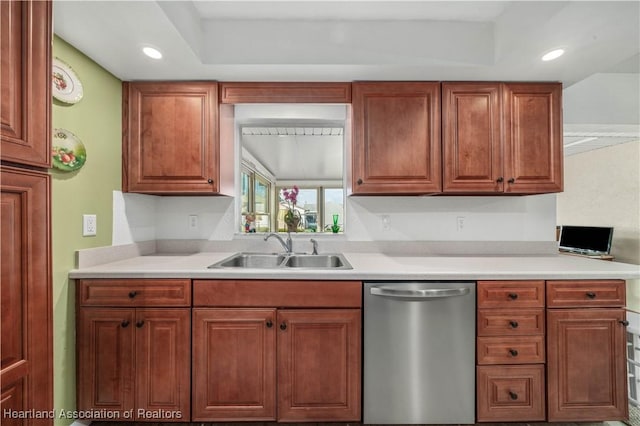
x=283, y=326
x=513, y=296
x=513, y=352
x=513, y=324
x=269, y=324
x=591, y=295
x=512, y=180
x=500, y=179
x=133, y=294
x=124, y=324
x=624, y=322
x=359, y=182
x=513, y=395
x=140, y=323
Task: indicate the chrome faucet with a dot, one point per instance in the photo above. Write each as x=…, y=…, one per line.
x=288, y=245
x=315, y=246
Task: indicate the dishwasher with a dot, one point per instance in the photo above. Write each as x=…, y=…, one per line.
x=419, y=352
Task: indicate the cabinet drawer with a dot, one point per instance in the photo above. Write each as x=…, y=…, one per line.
x=509, y=322
x=142, y=292
x=600, y=293
x=511, y=294
x=277, y=294
x=510, y=393
x=511, y=350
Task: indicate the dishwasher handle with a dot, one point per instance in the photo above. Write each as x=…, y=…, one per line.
x=432, y=293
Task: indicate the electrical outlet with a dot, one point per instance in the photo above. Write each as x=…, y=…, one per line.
x=460, y=223
x=386, y=222
x=193, y=222
x=89, y=225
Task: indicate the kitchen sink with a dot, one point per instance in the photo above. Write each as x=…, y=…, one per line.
x=283, y=261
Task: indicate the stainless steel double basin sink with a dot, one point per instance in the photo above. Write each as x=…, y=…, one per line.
x=283, y=261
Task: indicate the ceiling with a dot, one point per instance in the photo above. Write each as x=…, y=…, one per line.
x=372, y=40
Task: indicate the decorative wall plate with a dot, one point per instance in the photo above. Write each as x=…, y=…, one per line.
x=67, y=87
x=68, y=151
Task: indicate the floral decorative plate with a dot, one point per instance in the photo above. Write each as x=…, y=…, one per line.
x=67, y=87
x=68, y=151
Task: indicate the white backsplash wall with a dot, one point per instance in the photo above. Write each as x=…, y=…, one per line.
x=510, y=218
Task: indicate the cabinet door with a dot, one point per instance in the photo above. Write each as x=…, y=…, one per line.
x=234, y=364
x=25, y=299
x=319, y=365
x=163, y=364
x=171, y=138
x=25, y=82
x=396, y=139
x=586, y=365
x=472, y=138
x=533, y=137
x=105, y=345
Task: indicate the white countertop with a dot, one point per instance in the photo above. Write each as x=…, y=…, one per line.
x=371, y=266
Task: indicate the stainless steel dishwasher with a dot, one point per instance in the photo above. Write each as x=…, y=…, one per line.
x=419, y=352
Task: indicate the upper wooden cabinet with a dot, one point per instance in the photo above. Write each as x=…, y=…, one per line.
x=25, y=81
x=502, y=137
x=170, y=138
x=396, y=138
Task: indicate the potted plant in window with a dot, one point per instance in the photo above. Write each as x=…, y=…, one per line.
x=292, y=215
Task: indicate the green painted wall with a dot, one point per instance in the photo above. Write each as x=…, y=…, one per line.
x=97, y=121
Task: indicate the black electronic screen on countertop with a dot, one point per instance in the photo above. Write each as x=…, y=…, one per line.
x=586, y=239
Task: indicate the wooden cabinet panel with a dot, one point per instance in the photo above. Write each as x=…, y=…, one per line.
x=533, y=137
x=509, y=322
x=234, y=364
x=586, y=350
x=510, y=350
x=171, y=140
x=511, y=294
x=472, y=137
x=585, y=293
x=163, y=364
x=285, y=92
x=319, y=365
x=106, y=356
x=26, y=339
x=396, y=138
x=510, y=393
x=134, y=292
x=25, y=82
x=277, y=293
x=11, y=401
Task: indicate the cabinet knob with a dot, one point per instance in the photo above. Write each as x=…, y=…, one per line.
x=359, y=181
x=513, y=395
x=512, y=180
x=269, y=324
x=624, y=322
x=283, y=326
x=591, y=295
x=140, y=323
x=513, y=324
x=513, y=352
x=133, y=294
x=124, y=324
x=513, y=296
x=209, y=181
x=500, y=179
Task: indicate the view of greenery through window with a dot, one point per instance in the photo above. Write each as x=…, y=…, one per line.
x=316, y=206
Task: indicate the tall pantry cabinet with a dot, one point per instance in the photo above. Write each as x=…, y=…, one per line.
x=25, y=113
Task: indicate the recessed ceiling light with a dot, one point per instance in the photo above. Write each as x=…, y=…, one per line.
x=152, y=52
x=554, y=54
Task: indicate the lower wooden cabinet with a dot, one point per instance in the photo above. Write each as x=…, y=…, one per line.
x=587, y=365
x=511, y=393
x=276, y=364
x=134, y=362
